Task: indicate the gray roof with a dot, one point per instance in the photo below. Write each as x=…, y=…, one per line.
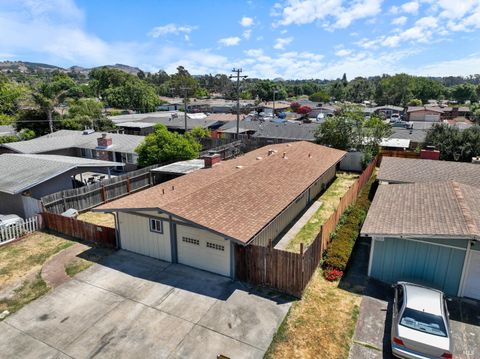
x=413, y=135
x=140, y=116
x=268, y=129
x=410, y=170
x=136, y=124
x=181, y=167
x=179, y=122
x=23, y=171
x=64, y=139
x=444, y=209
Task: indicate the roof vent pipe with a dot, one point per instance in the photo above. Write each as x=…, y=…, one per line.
x=284, y=155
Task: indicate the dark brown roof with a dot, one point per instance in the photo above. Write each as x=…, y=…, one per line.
x=237, y=198
x=410, y=170
x=442, y=209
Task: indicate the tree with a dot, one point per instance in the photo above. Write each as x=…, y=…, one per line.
x=201, y=92
x=359, y=90
x=295, y=106
x=163, y=146
x=337, y=90
x=320, y=96
x=350, y=130
x=454, y=144
x=86, y=113
x=263, y=89
x=34, y=120
x=133, y=94
x=303, y=110
x=10, y=95
x=464, y=92
x=182, y=82
x=52, y=93
x=415, y=102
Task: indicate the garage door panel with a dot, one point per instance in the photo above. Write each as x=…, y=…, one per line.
x=136, y=236
x=204, y=250
x=397, y=259
x=472, y=276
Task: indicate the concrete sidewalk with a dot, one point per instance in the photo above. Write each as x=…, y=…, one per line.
x=303, y=220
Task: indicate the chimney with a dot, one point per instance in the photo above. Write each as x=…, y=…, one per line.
x=104, y=141
x=211, y=160
x=430, y=153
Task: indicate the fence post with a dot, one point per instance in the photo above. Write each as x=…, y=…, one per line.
x=104, y=197
x=129, y=187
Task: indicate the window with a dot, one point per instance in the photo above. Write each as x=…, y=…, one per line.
x=129, y=158
x=156, y=225
x=83, y=152
x=423, y=322
x=215, y=246
x=191, y=241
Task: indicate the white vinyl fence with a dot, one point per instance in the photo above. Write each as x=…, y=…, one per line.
x=11, y=233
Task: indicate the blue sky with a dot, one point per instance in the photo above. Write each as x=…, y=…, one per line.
x=289, y=39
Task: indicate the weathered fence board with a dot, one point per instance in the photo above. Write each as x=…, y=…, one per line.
x=72, y=227
x=11, y=233
x=290, y=272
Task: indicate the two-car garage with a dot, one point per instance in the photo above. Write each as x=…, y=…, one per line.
x=179, y=243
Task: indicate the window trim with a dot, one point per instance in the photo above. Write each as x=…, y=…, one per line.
x=153, y=227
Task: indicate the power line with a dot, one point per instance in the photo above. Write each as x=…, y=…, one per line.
x=238, y=76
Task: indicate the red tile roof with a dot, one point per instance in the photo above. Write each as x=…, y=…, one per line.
x=237, y=198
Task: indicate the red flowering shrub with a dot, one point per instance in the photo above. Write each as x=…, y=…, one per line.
x=332, y=274
x=295, y=106
x=304, y=110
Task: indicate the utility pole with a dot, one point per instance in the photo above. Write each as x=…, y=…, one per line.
x=238, y=76
x=274, y=92
x=185, y=98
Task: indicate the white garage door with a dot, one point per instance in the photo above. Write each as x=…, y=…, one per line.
x=149, y=236
x=204, y=250
x=472, y=279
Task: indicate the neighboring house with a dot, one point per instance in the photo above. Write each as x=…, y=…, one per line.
x=177, y=169
x=199, y=218
x=280, y=106
x=415, y=136
x=136, y=128
x=396, y=144
x=424, y=113
x=26, y=178
x=271, y=131
x=427, y=233
x=385, y=111
x=177, y=123
x=142, y=116
x=88, y=144
x=408, y=170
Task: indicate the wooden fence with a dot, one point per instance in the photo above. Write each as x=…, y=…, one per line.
x=87, y=197
x=402, y=154
x=104, y=236
x=290, y=272
x=13, y=232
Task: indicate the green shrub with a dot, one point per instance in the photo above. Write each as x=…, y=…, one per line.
x=347, y=231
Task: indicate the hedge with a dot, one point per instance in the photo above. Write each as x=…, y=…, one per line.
x=347, y=231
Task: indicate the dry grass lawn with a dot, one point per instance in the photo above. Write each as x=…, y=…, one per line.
x=321, y=325
x=330, y=199
x=100, y=219
x=20, y=266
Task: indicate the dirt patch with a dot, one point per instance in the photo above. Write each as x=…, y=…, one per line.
x=321, y=325
x=30, y=289
x=100, y=219
x=330, y=200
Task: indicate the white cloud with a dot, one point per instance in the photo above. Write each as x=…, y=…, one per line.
x=343, y=52
x=464, y=66
x=410, y=7
x=247, y=34
x=171, y=29
x=281, y=42
x=340, y=13
x=400, y=20
x=246, y=21
x=230, y=41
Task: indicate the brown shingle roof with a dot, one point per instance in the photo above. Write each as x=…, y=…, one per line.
x=237, y=198
x=410, y=170
x=425, y=209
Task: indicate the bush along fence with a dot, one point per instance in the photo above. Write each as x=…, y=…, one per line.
x=13, y=232
x=103, y=236
x=87, y=197
x=290, y=272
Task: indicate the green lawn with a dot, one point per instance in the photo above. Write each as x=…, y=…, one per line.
x=330, y=199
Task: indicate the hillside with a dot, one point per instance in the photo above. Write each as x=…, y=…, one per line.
x=31, y=67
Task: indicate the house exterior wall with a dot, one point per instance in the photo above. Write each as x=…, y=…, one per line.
x=272, y=231
x=422, y=115
x=11, y=204
x=434, y=262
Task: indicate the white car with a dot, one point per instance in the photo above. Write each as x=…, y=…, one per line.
x=420, y=326
x=9, y=220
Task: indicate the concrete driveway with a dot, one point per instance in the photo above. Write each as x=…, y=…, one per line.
x=372, y=334
x=135, y=306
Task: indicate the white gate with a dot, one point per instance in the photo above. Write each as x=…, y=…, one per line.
x=15, y=231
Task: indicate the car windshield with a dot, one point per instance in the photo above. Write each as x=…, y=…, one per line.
x=423, y=322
